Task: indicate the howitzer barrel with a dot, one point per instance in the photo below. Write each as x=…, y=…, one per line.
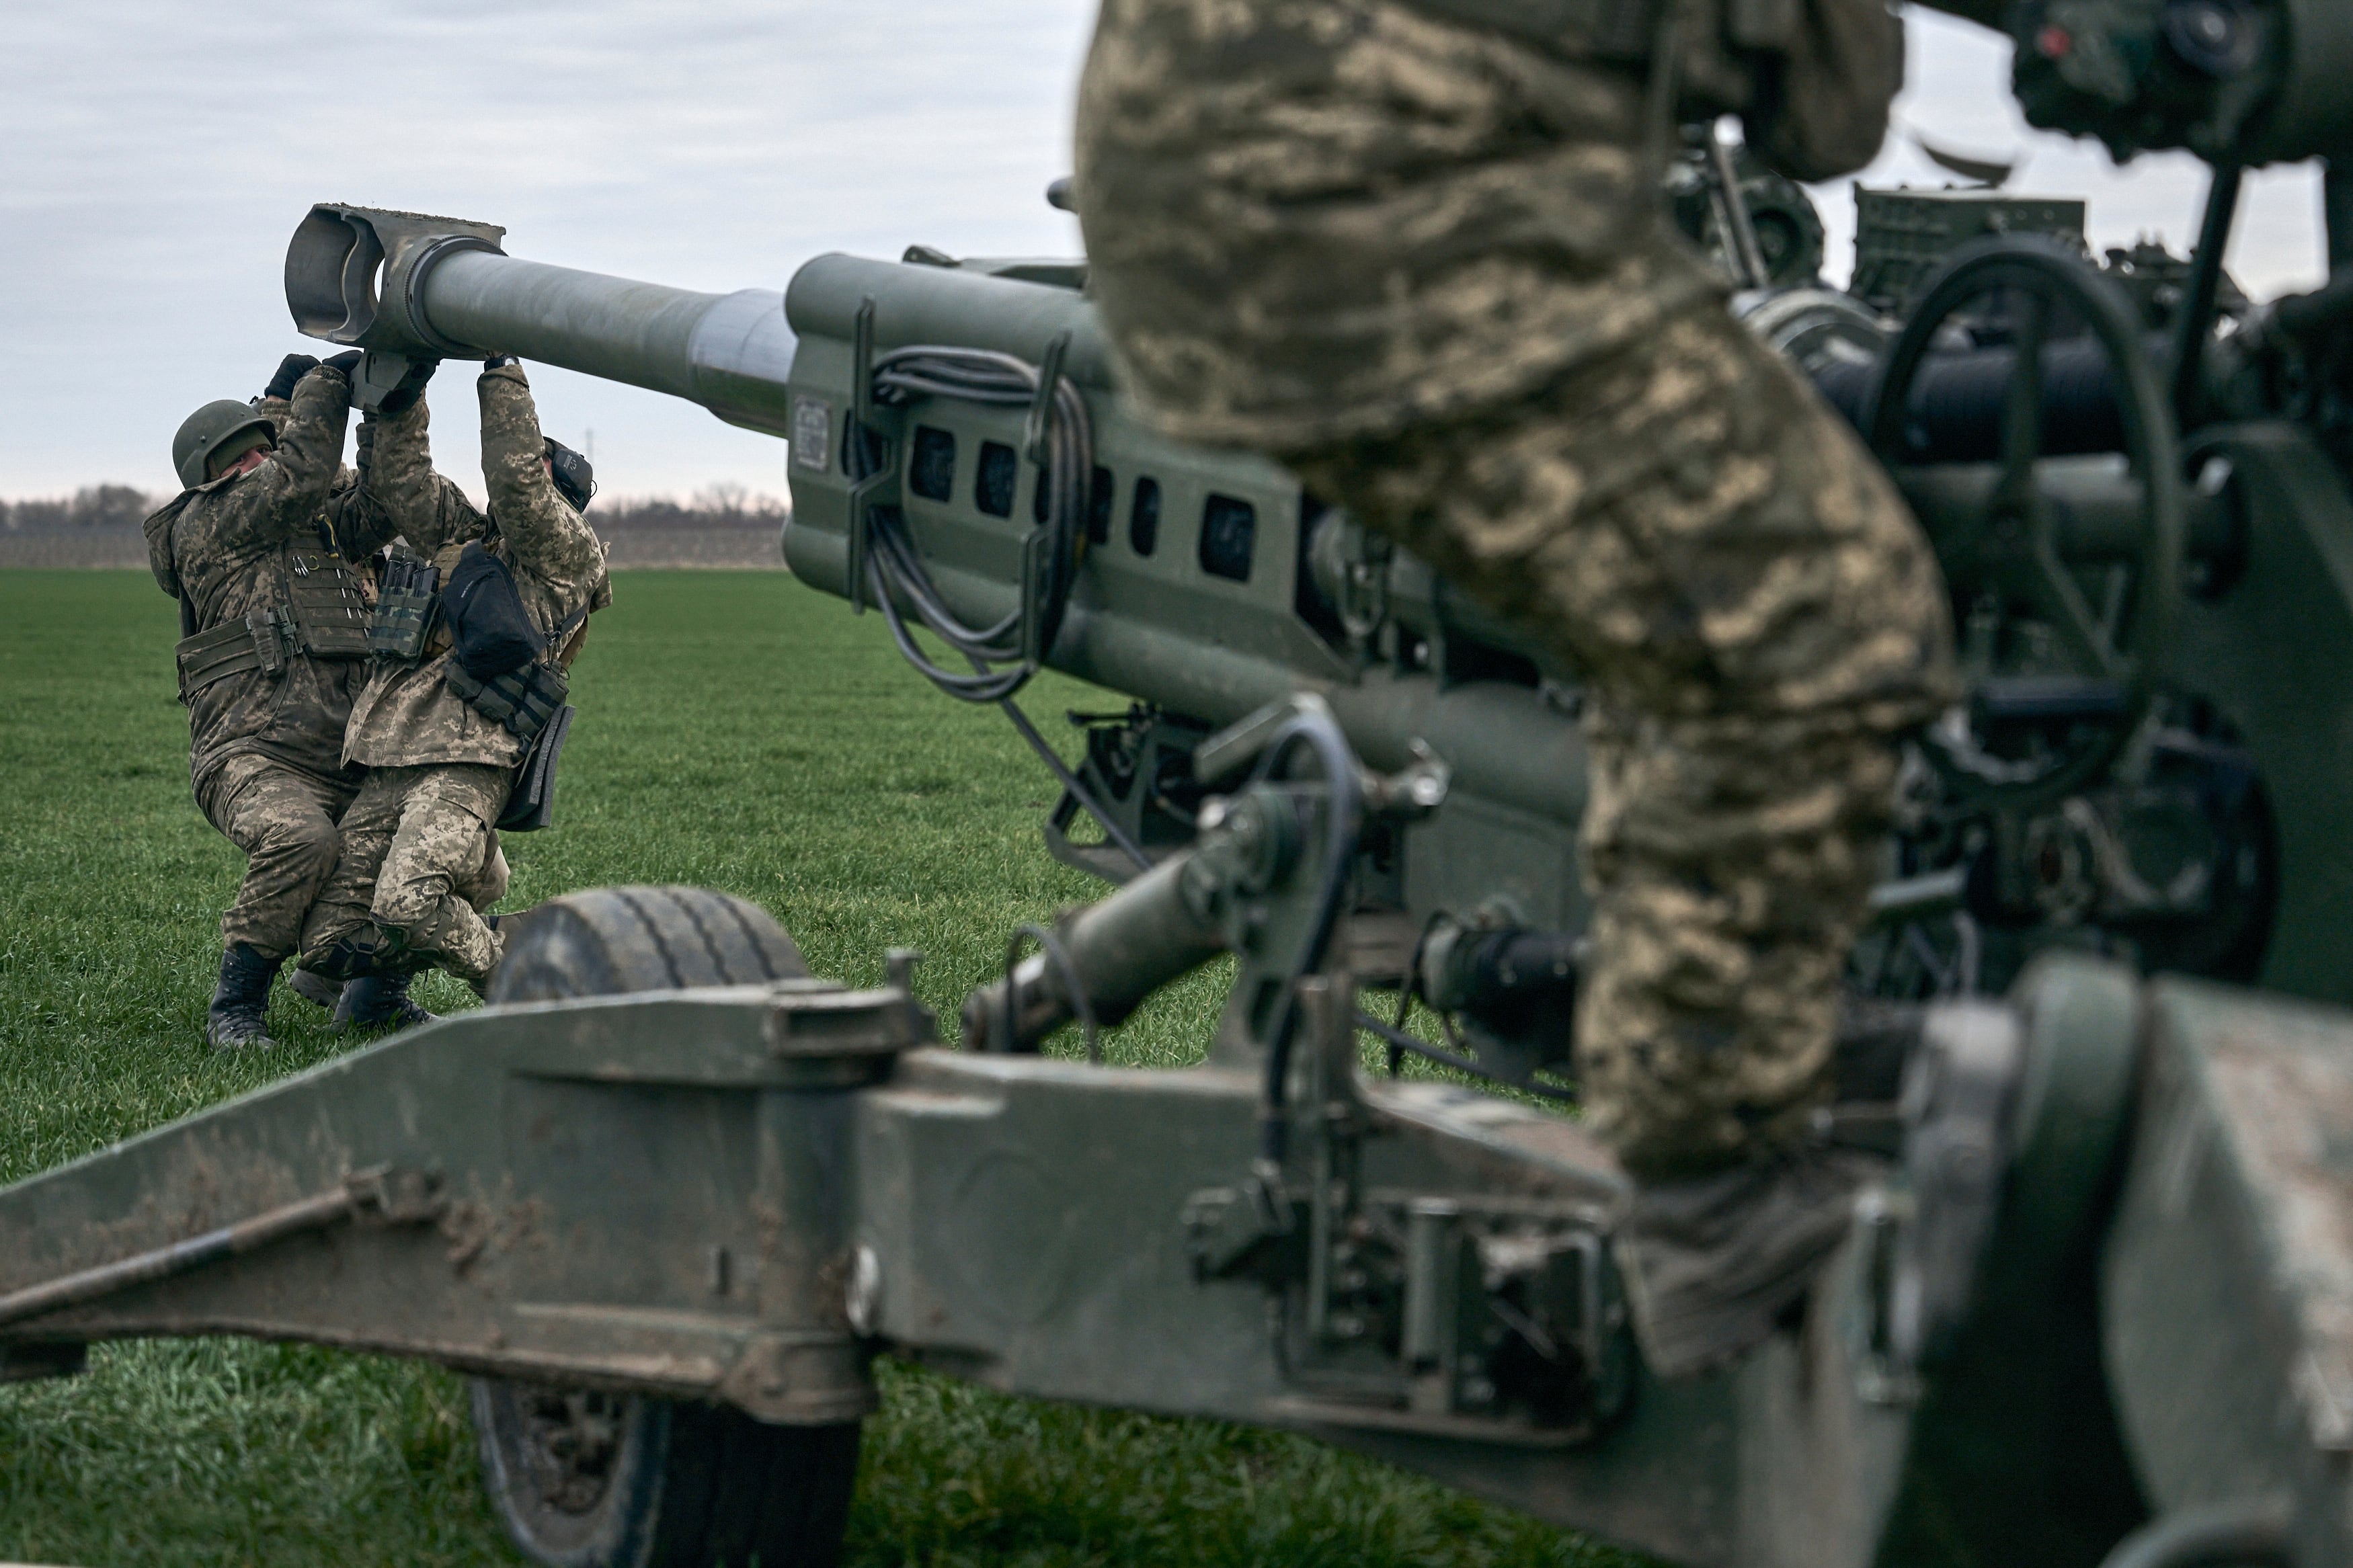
x=408, y=288
x=1197, y=608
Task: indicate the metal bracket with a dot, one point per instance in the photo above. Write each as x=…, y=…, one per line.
x=1958, y=1094
x=832, y=1037
x=388, y=371
x=1034, y=566
x=862, y=423
x=1040, y=424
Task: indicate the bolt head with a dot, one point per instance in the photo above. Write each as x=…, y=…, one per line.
x=862, y=1296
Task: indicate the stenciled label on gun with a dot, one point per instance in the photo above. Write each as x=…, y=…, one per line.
x=812, y=439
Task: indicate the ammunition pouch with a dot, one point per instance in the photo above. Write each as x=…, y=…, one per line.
x=330, y=619
x=523, y=699
x=529, y=702
x=407, y=605
x=231, y=649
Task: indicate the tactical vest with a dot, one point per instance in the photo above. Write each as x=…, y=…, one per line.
x=321, y=612
x=403, y=630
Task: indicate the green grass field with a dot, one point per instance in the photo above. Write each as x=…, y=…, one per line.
x=736, y=730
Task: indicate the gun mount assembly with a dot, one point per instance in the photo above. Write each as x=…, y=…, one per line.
x=2094, y=1306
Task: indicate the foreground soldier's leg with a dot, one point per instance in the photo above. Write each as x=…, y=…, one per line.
x=284, y=820
x=1419, y=254
x=444, y=842
x=1731, y=863
x=382, y=1001
x=339, y=937
x=1759, y=618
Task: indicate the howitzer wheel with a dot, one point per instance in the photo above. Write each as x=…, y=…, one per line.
x=2010, y=561
x=587, y=1480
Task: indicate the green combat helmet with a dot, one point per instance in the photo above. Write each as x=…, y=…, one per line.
x=225, y=429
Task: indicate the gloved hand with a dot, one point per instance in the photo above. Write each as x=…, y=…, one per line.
x=411, y=387
x=348, y=362
x=496, y=361
x=290, y=369
x=364, y=446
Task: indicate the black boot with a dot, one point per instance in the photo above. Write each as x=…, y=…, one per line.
x=315, y=988
x=235, y=1021
x=1713, y=1263
x=378, y=1002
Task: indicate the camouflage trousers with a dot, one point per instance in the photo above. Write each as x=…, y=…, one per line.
x=285, y=821
x=1757, y=618
x=420, y=859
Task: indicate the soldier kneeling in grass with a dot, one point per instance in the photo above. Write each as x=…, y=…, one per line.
x=258, y=549
x=473, y=637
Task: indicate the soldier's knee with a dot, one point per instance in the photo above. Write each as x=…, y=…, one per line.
x=354, y=952
x=489, y=884
x=308, y=840
x=405, y=905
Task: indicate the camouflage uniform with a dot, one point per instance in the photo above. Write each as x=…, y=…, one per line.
x=421, y=835
x=266, y=753
x=1424, y=263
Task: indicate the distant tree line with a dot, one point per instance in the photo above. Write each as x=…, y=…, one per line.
x=712, y=506
x=120, y=507
x=94, y=506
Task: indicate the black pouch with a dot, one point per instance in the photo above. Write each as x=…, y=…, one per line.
x=531, y=799
x=491, y=630
x=522, y=699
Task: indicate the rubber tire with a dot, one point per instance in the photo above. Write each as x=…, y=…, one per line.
x=691, y=1485
x=611, y=940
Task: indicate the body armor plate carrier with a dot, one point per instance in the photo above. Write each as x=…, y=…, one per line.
x=325, y=616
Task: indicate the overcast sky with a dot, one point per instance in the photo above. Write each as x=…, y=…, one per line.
x=158, y=155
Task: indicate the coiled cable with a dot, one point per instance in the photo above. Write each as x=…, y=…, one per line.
x=895, y=572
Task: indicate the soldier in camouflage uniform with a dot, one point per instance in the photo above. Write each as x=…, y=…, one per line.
x=254, y=550
x=423, y=825
x=1416, y=250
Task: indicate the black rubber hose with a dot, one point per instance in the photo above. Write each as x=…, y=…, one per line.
x=1398, y=1040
